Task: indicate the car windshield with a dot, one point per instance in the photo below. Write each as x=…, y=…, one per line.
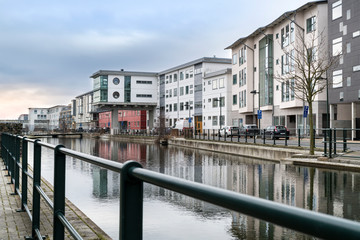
x=280, y=127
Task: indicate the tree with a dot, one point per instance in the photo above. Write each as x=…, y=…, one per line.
x=305, y=64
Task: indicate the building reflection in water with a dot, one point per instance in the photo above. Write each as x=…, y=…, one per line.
x=331, y=192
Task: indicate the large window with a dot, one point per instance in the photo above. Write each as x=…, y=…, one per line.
x=214, y=120
x=337, y=79
x=285, y=36
x=311, y=24
x=221, y=83
x=235, y=99
x=234, y=59
x=215, y=102
x=337, y=10
x=214, y=84
x=242, y=99
x=337, y=46
x=181, y=91
x=234, y=79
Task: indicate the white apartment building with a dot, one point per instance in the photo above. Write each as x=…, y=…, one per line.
x=82, y=109
x=217, y=99
x=181, y=90
x=259, y=56
x=38, y=120
x=54, y=116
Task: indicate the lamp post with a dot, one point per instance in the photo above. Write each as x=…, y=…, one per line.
x=327, y=101
x=187, y=104
x=255, y=92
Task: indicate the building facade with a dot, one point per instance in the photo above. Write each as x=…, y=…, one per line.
x=344, y=80
x=38, y=120
x=181, y=90
x=84, y=113
x=66, y=120
x=217, y=100
x=266, y=53
x=54, y=116
x=128, y=120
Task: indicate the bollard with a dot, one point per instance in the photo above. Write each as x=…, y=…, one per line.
x=59, y=192
x=131, y=203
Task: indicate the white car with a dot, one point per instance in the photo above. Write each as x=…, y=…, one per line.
x=230, y=131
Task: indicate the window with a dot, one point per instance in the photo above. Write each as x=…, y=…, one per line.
x=144, y=95
x=116, y=95
x=285, y=36
x=214, y=120
x=234, y=59
x=116, y=81
x=175, y=77
x=292, y=32
x=143, y=82
x=348, y=14
x=337, y=79
x=348, y=81
x=285, y=64
x=311, y=54
x=187, y=74
x=214, y=84
x=181, y=106
x=242, y=99
x=175, y=92
x=186, y=89
x=215, y=102
x=221, y=83
x=181, y=76
x=337, y=10
x=175, y=107
x=310, y=24
x=341, y=96
x=348, y=47
x=181, y=91
x=234, y=79
x=292, y=87
x=337, y=46
x=235, y=99
x=222, y=102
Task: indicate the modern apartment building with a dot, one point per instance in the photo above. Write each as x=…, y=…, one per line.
x=217, y=99
x=66, y=120
x=125, y=90
x=263, y=54
x=344, y=80
x=83, y=111
x=38, y=120
x=54, y=116
x=181, y=90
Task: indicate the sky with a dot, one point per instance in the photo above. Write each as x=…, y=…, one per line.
x=49, y=49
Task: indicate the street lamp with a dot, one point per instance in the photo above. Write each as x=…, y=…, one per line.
x=255, y=92
x=327, y=101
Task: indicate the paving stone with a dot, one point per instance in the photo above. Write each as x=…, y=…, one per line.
x=17, y=225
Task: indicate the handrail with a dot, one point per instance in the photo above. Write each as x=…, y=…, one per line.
x=132, y=178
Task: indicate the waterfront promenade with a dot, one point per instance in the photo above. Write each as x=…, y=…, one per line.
x=17, y=225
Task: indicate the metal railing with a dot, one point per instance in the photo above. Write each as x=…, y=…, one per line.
x=132, y=177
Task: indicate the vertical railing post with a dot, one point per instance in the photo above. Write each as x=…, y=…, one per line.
x=59, y=192
x=299, y=132
x=16, y=164
x=274, y=137
x=344, y=139
x=286, y=137
x=264, y=136
x=330, y=143
x=219, y=134
x=325, y=142
x=334, y=140
x=238, y=134
x=131, y=204
x=254, y=136
x=24, y=181
x=245, y=136
x=36, y=183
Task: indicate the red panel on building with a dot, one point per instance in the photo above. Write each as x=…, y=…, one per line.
x=128, y=119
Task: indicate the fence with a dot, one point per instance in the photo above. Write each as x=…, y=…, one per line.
x=132, y=177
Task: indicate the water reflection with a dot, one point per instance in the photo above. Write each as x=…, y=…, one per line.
x=169, y=215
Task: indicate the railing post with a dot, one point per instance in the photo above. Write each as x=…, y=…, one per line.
x=213, y=134
x=264, y=136
x=299, y=132
x=238, y=134
x=344, y=139
x=16, y=164
x=330, y=143
x=334, y=140
x=131, y=204
x=24, y=181
x=36, y=194
x=219, y=134
x=325, y=142
x=254, y=137
x=286, y=137
x=274, y=137
x=245, y=136
x=59, y=192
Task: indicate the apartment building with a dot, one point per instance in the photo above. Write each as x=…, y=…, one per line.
x=54, y=116
x=257, y=58
x=181, y=90
x=217, y=99
x=83, y=111
x=344, y=87
x=38, y=120
x=66, y=120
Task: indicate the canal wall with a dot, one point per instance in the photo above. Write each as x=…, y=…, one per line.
x=129, y=138
x=270, y=153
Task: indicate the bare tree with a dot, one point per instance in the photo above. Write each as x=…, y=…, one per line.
x=306, y=63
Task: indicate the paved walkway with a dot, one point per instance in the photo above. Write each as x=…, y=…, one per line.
x=17, y=225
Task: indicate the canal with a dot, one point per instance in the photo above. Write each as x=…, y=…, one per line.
x=168, y=215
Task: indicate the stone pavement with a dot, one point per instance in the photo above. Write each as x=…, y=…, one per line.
x=17, y=225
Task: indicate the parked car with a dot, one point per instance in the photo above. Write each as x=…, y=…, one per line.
x=230, y=131
x=249, y=130
x=276, y=132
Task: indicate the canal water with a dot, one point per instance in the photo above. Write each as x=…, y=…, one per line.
x=169, y=215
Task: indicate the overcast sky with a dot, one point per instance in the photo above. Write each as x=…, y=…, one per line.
x=48, y=49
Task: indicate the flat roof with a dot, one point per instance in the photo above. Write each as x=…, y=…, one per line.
x=123, y=73
x=217, y=73
x=278, y=20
